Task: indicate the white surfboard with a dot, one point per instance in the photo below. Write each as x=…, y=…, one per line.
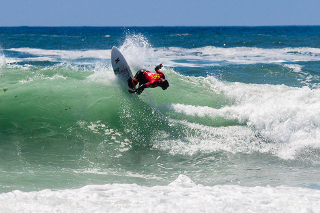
x=120, y=65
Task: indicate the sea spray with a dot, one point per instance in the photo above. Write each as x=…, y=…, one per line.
x=138, y=52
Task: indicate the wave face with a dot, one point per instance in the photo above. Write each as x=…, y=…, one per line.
x=242, y=109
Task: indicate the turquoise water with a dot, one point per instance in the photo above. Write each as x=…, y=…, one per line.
x=242, y=110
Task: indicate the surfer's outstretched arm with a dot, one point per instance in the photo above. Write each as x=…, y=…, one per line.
x=158, y=67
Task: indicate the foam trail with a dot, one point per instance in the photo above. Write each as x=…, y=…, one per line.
x=182, y=195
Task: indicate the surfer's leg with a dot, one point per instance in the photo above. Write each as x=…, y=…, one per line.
x=131, y=83
x=137, y=78
x=139, y=75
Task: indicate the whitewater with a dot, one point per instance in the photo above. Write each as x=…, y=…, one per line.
x=237, y=130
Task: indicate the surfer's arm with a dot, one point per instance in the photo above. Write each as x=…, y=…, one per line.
x=158, y=67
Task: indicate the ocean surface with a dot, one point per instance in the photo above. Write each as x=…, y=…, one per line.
x=238, y=130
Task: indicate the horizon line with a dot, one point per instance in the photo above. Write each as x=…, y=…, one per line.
x=170, y=26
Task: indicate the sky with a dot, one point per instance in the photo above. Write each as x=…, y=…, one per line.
x=159, y=13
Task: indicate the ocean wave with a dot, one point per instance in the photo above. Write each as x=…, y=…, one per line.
x=280, y=119
x=208, y=115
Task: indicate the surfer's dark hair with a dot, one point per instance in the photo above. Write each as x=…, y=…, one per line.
x=164, y=84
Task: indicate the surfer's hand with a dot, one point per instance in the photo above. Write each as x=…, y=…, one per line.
x=139, y=91
x=158, y=67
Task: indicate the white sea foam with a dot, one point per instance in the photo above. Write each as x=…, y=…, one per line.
x=214, y=56
x=2, y=60
x=182, y=195
x=139, y=52
x=102, y=75
x=305, y=77
x=206, y=139
x=294, y=67
x=286, y=119
x=65, y=54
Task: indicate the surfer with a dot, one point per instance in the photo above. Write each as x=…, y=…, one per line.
x=148, y=79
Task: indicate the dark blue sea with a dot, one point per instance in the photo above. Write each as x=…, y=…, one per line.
x=238, y=130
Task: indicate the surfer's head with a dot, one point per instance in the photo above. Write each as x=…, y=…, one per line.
x=164, y=84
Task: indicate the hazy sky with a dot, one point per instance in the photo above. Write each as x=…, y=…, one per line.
x=159, y=13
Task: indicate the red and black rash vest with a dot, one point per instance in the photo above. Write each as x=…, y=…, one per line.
x=153, y=79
